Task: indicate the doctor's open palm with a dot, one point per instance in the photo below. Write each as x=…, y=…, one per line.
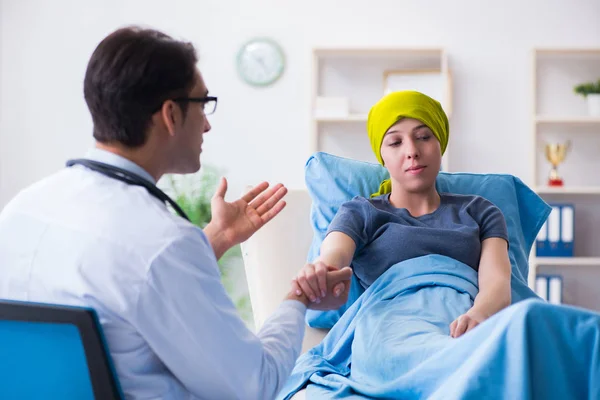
x=240, y=219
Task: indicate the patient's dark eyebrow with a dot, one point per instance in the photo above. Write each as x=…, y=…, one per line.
x=419, y=127
x=413, y=130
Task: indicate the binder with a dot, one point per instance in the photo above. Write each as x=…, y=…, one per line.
x=555, y=284
x=567, y=231
x=556, y=238
x=549, y=288
x=541, y=286
x=541, y=243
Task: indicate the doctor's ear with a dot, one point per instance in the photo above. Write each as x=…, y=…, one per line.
x=169, y=115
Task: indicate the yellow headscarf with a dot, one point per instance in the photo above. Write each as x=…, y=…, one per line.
x=405, y=104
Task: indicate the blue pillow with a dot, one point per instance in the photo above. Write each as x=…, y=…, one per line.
x=333, y=180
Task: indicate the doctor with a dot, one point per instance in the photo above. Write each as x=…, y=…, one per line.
x=99, y=233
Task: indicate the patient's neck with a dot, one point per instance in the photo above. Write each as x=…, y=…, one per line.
x=416, y=203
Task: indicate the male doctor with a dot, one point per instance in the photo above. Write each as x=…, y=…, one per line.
x=99, y=234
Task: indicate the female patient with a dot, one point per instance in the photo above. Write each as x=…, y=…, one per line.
x=408, y=218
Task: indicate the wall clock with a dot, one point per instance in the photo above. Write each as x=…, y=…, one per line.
x=260, y=62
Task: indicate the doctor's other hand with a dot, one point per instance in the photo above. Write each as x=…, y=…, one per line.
x=239, y=220
x=325, y=286
x=465, y=323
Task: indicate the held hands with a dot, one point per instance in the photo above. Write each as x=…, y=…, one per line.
x=465, y=323
x=325, y=287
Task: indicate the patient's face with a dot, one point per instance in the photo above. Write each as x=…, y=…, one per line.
x=412, y=155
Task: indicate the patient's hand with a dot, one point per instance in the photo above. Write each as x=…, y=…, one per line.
x=326, y=287
x=465, y=323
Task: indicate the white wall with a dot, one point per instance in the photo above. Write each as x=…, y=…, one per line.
x=1, y=92
x=45, y=47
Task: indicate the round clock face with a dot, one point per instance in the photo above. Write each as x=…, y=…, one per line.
x=260, y=62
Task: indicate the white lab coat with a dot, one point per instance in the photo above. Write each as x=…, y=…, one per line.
x=81, y=238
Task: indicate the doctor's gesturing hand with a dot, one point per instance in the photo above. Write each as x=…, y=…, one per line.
x=233, y=223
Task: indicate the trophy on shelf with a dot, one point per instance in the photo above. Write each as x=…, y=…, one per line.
x=555, y=154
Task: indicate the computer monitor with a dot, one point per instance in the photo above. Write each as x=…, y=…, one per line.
x=54, y=352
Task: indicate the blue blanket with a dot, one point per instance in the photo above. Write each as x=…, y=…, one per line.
x=394, y=342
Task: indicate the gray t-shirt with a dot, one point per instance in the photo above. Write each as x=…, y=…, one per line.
x=385, y=235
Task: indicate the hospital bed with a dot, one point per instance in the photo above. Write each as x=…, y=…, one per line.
x=275, y=253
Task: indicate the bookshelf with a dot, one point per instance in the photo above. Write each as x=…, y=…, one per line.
x=569, y=190
x=357, y=76
x=568, y=261
x=565, y=120
x=560, y=115
x=349, y=118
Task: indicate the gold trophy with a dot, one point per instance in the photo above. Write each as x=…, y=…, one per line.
x=556, y=153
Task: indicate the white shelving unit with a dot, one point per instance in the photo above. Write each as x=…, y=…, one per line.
x=357, y=74
x=568, y=261
x=559, y=115
x=349, y=118
x=544, y=119
x=580, y=190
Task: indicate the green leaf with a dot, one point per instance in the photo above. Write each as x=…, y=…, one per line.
x=588, y=88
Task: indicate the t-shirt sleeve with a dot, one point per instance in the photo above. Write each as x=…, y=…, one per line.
x=491, y=220
x=352, y=219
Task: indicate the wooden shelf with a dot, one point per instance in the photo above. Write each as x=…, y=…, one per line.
x=568, y=190
x=567, y=51
x=581, y=261
x=378, y=51
x=544, y=119
x=349, y=118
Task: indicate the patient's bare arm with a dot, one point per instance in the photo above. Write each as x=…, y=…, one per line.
x=494, y=286
x=337, y=251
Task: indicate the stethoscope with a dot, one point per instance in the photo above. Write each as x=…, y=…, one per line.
x=130, y=178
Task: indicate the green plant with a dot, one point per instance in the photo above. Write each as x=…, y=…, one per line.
x=193, y=193
x=588, y=88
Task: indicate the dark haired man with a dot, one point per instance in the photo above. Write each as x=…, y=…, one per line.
x=99, y=234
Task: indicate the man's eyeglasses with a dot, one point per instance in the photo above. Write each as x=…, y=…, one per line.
x=209, y=103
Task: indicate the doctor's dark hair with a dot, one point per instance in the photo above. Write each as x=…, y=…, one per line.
x=130, y=74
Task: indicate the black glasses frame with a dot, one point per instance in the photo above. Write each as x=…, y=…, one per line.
x=205, y=99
